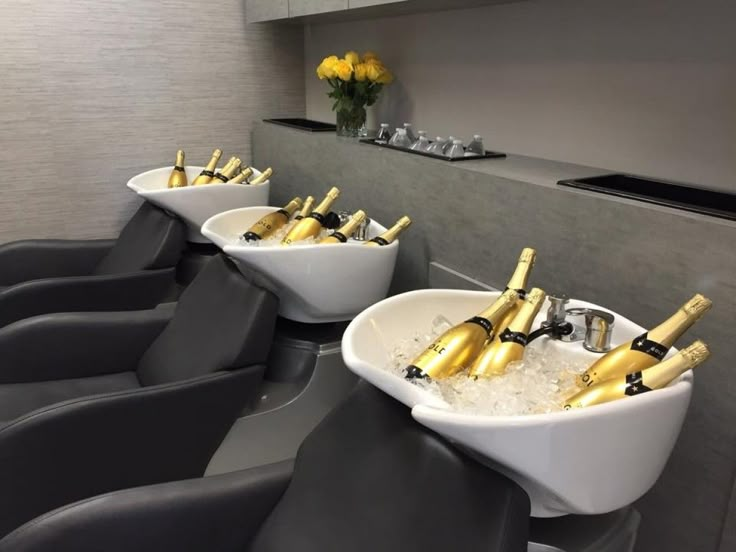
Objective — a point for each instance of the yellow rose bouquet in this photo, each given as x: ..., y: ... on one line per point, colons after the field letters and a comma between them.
x: 356, y: 83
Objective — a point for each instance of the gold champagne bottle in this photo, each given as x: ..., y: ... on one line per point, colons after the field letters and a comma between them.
x: 310, y: 226
x: 636, y: 383
x: 306, y: 208
x: 647, y: 349
x: 178, y: 177
x: 457, y: 347
x: 341, y: 235
x: 226, y: 172
x: 208, y: 173
x: 267, y: 225
x: 391, y: 234
x: 242, y: 176
x: 519, y: 281
x: 261, y: 178
x: 509, y: 345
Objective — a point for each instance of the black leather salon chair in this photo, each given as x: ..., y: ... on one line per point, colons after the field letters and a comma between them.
x: 367, y: 479
x: 94, y: 402
x: 136, y: 271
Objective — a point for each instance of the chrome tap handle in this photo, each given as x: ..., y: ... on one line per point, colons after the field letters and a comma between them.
x: 556, y: 311
x: 598, y: 328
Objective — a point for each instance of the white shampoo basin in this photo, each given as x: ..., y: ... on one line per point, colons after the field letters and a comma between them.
x: 195, y: 204
x: 317, y: 283
x: 588, y: 461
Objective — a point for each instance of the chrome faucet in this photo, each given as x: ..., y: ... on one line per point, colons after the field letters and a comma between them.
x: 595, y: 335
x: 598, y: 328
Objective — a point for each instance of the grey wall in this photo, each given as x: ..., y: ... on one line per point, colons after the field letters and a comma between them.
x: 644, y: 87
x: 95, y: 91
x: 640, y: 260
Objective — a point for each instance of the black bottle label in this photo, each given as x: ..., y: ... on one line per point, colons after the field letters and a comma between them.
x: 207, y: 173
x: 251, y: 236
x: 178, y: 168
x: 634, y: 384
x: 414, y: 372
x: 379, y: 240
x: 219, y: 176
x: 319, y: 217
x: 339, y: 236
x: 652, y: 348
x: 485, y: 323
x: 284, y: 212
x: 521, y: 292
x: 514, y: 337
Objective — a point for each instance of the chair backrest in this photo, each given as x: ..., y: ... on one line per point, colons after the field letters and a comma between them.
x: 223, y: 320
x: 369, y: 478
x: 152, y: 239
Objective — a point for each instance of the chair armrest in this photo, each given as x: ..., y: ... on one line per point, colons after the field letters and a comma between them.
x: 220, y: 513
x: 77, y: 345
x: 25, y: 260
x: 85, y: 447
x: 116, y: 292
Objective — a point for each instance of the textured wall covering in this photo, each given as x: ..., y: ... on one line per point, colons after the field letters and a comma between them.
x: 644, y: 87
x: 95, y: 91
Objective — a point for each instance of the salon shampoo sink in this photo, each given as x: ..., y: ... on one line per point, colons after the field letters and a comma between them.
x: 316, y: 283
x: 588, y: 461
x: 196, y: 204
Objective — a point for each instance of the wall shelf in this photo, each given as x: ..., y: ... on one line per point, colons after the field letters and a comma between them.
x: 335, y: 11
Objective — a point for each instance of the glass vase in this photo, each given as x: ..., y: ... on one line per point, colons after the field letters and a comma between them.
x: 350, y: 121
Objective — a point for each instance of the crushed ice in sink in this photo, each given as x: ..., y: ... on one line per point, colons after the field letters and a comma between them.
x: 536, y: 385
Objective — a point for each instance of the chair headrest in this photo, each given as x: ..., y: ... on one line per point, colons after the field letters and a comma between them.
x: 370, y: 478
x: 151, y: 239
x: 223, y: 320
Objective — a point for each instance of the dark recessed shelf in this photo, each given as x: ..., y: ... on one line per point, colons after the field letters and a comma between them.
x: 488, y: 154
x: 679, y: 196
x: 303, y: 124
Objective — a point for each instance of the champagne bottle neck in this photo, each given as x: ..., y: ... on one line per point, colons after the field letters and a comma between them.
x: 231, y: 170
x: 293, y: 205
x: 220, y: 175
x: 392, y: 233
x: 213, y: 161
x: 661, y: 374
x: 495, y: 313
x: 671, y: 329
x: 349, y: 228
x: 307, y: 207
x: 522, y: 322
x: 324, y: 205
x: 242, y: 176
x: 179, y: 160
x: 265, y: 175
x: 520, y: 278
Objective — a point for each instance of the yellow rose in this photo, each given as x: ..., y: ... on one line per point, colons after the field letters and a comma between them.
x: 369, y: 55
x: 386, y: 77
x: 361, y: 71
x: 326, y: 69
x: 374, y: 70
x: 344, y: 70
x: 352, y: 58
